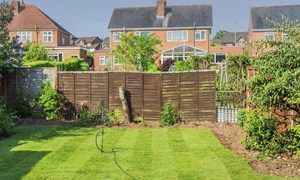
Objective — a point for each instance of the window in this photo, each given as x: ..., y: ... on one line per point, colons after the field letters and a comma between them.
x: 116, y: 36
x: 142, y: 33
x: 24, y: 36
x: 56, y: 56
x: 270, y: 35
x: 74, y: 56
x: 103, y: 60
x: 177, y: 36
x: 200, y: 35
x: 63, y: 41
x: 47, y: 36
x: 219, y: 58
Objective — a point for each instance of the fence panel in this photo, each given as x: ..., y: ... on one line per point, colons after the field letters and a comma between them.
x: 192, y: 93
x: 152, y: 96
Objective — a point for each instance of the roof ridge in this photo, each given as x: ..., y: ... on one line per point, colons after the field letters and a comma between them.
x: 287, y: 5
x: 179, y: 5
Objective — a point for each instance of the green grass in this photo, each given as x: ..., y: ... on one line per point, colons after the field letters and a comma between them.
x: 56, y: 152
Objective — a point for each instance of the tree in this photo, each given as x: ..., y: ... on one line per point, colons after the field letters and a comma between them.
x: 277, y: 81
x: 137, y: 52
x: 11, y: 52
x: 220, y: 34
x: 35, y: 52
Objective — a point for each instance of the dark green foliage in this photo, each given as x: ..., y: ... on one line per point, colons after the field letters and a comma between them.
x: 169, y: 115
x: 263, y: 136
x: 85, y: 117
x: 137, y: 52
x: 194, y: 63
x: 220, y: 34
x: 72, y: 64
x: 50, y: 100
x: 6, y: 121
x: 11, y: 52
x: 24, y: 105
x: 242, y: 115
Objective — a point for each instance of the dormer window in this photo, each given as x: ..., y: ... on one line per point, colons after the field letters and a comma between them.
x: 47, y: 36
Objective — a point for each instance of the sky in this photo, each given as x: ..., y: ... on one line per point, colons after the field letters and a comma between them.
x: 91, y: 17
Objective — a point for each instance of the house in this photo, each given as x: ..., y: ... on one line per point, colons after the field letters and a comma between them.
x: 232, y: 43
x: 91, y: 43
x: 31, y: 24
x: 183, y: 30
x: 260, y: 28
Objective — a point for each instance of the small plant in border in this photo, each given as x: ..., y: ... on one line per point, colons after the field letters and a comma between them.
x: 6, y: 121
x: 169, y: 115
x: 50, y: 101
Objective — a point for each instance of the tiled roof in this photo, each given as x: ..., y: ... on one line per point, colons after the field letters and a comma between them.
x: 231, y: 37
x: 86, y: 39
x: 31, y: 17
x: 176, y: 16
x: 259, y: 15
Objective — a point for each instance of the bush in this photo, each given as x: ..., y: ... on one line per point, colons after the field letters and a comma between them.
x: 71, y: 64
x: 50, y: 100
x: 6, y: 121
x: 24, y: 105
x: 242, y: 116
x: 85, y: 117
x: 293, y: 138
x: 169, y: 115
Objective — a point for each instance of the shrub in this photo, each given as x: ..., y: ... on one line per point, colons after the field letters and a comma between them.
x: 6, y: 121
x: 24, y: 105
x: 242, y: 116
x: 50, y: 101
x: 293, y: 138
x: 169, y: 115
x: 85, y: 117
x: 71, y: 64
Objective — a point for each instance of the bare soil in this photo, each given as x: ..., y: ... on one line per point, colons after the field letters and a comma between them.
x: 230, y: 135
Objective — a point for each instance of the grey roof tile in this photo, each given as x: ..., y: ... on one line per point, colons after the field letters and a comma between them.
x: 260, y: 15
x: 176, y: 16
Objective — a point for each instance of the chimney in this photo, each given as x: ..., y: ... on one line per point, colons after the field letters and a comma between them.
x: 16, y: 6
x: 161, y: 7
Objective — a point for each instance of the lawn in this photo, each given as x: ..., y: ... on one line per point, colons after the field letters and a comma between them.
x: 57, y: 152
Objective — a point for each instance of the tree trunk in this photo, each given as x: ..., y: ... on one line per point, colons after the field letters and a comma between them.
x: 124, y: 104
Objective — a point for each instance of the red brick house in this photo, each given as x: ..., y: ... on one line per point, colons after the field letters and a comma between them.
x: 31, y: 24
x: 91, y: 43
x: 260, y: 28
x: 183, y: 30
x: 232, y: 43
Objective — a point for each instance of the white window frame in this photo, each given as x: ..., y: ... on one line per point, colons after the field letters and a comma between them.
x: 63, y: 41
x: 270, y: 35
x: 199, y: 32
x: 57, y: 54
x: 103, y: 60
x: 140, y: 33
x: 47, y: 36
x: 171, y: 36
x: 24, y: 36
x: 116, y: 36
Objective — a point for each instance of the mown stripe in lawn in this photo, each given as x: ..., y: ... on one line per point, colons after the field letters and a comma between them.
x: 102, y: 166
x: 52, y: 164
x: 163, y: 162
x: 186, y: 163
x: 143, y: 154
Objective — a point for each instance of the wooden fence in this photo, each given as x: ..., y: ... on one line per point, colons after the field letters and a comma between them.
x: 192, y: 93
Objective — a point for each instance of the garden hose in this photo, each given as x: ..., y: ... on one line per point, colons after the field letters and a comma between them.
x: 113, y: 151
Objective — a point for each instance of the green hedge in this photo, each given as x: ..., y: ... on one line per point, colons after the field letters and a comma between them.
x: 71, y: 64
